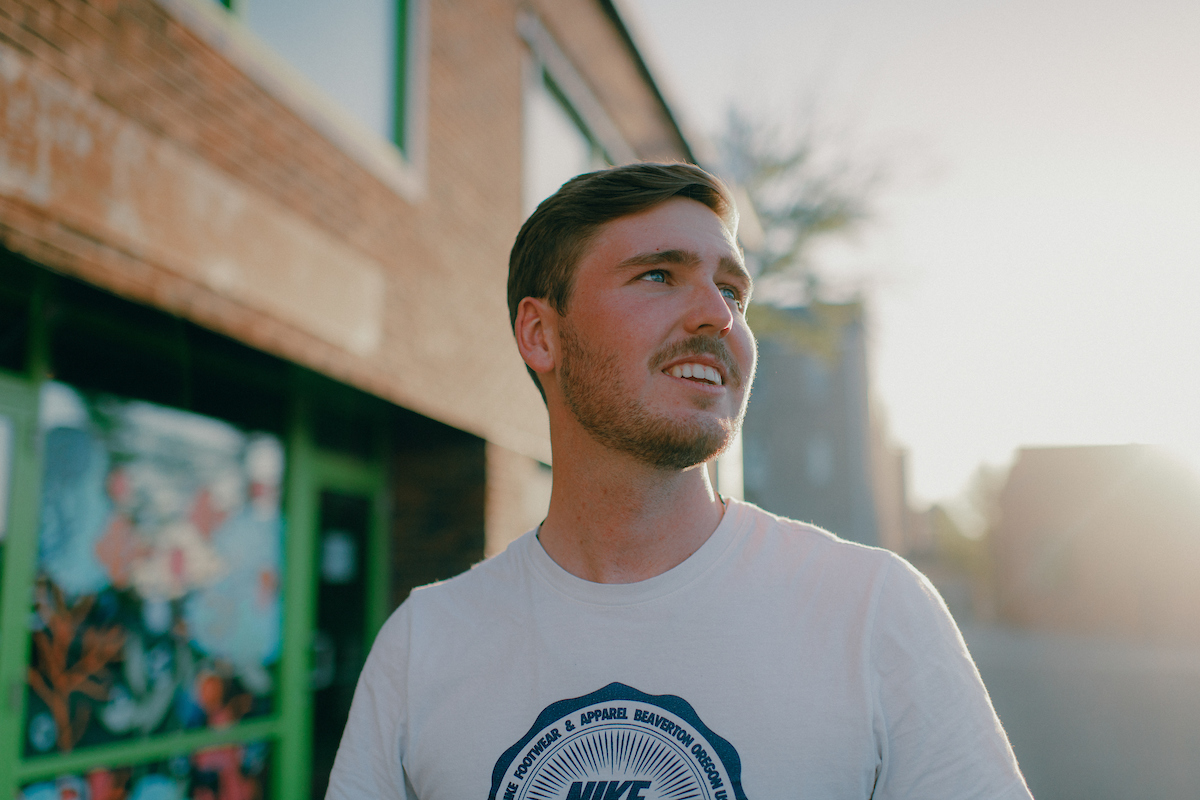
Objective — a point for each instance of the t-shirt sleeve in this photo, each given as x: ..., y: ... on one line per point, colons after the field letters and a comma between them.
x: 938, y: 734
x: 368, y: 764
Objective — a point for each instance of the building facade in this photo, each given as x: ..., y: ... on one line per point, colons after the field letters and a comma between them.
x: 256, y: 376
x: 1099, y: 540
x: 814, y: 445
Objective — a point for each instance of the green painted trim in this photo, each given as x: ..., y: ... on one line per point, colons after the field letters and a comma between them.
x: 18, y: 400
x: 152, y: 748
x: 403, y: 75
x: 345, y: 473
x: 292, y: 774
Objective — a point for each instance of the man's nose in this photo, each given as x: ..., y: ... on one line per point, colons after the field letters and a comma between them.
x: 710, y: 312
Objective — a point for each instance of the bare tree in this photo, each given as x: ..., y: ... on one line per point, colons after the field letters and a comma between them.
x: 803, y: 188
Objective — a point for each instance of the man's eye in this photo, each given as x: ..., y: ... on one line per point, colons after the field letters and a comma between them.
x: 655, y: 275
x: 733, y: 294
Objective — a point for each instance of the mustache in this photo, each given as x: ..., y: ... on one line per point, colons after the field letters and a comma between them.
x: 699, y: 345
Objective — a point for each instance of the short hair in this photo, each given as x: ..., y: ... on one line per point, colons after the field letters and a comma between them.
x: 552, y: 241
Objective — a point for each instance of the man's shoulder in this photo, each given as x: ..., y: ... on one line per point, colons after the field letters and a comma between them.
x: 487, y: 582
x: 779, y: 550
x: 795, y: 535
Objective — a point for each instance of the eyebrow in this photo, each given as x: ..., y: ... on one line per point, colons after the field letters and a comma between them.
x: 660, y: 257
x: 687, y: 258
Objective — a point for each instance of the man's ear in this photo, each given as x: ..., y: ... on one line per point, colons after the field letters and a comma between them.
x: 536, y: 329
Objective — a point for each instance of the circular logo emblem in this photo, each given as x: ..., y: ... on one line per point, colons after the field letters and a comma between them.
x: 619, y: 744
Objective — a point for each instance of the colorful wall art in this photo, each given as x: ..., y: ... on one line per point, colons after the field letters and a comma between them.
x: 228, y: 772
x: 157, y: 602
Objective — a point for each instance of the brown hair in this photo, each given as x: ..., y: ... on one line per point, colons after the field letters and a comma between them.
x: 554, y: 238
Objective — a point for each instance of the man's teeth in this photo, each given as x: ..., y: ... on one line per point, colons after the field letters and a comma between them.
x: 697, y: 371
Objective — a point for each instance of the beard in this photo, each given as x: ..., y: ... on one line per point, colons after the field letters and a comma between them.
x: 608, y: 411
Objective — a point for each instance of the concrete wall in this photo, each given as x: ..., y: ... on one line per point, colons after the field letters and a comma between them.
x: 518, y: 496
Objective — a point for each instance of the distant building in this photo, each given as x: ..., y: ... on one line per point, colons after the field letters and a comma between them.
x: 256, y: 372
x: 814, y: 447
x: 1100, y: 540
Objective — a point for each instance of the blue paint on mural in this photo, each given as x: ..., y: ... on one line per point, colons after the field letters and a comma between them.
x: 75, y: 510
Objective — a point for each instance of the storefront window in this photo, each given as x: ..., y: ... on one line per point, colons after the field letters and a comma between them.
x: 157, y: 598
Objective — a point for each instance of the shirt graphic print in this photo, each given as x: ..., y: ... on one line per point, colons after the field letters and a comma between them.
x: 619, y: 744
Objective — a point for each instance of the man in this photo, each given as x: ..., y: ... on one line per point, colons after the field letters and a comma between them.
x: 651, y: 639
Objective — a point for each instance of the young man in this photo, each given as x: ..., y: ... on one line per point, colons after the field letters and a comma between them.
x: 651, y: 639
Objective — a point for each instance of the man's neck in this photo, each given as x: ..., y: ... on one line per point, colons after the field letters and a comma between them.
x: 613, y: 519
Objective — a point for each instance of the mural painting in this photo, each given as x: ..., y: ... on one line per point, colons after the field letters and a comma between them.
x: 157, y: 602
x: 229, y: 772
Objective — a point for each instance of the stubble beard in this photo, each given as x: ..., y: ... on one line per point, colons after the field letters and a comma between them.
x: 609, y: 412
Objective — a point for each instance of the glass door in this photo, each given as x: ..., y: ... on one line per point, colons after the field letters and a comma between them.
x: 340, y: 638
x: 349, y: 594
x: 336, y: 582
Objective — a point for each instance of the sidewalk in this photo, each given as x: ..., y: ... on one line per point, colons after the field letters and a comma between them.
x: 1095, y: 719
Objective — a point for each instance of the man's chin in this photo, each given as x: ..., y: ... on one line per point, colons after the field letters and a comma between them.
x: 671, y: 446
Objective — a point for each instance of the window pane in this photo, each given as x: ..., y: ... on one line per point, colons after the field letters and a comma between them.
x: 347, y: 49
x: 556, y: 148
x: 159, y: 560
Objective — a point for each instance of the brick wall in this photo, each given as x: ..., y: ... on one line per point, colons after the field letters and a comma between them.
x: 138, y: 156
x: 438, y: 510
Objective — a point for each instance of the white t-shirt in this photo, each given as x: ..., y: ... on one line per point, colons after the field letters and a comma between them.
x: 778, y: 661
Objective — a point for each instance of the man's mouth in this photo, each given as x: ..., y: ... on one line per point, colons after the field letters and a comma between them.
x: 674, y: 360
x: 696, y: 372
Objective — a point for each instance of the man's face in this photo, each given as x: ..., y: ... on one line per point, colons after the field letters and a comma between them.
x: 656, y: 357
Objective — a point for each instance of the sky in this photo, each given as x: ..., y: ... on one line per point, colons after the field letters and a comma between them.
x: 1033, y: 268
